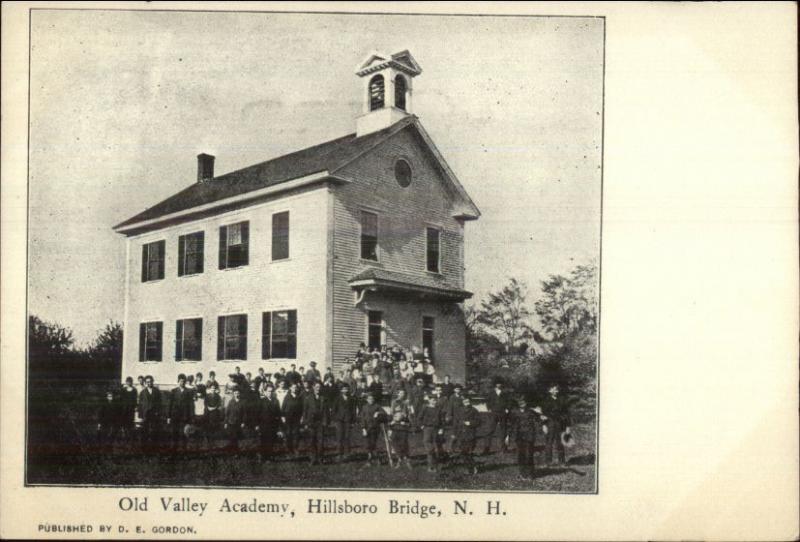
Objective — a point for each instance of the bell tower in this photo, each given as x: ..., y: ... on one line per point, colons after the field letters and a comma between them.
x: 386, y: 91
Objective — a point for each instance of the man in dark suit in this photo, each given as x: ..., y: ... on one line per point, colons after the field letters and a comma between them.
x: 313, y: 375
x: 452, y: 409
x: 292, y: 375
x: 343, y: 414
x: 268, y: 422
x: 179, y: 413
x: 498, y: 403
x: 128, y: 397
x: 465, y: 424
x: 235, y: 419
x: 291, y: 415
x: 149, y: 412
x: 524, y: 426
x: 555, y: 414
x: 314, y: 418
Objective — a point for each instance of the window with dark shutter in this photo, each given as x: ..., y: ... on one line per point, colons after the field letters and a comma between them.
x: 374, y: 329
x: 280, y: 236
x: 369, y: 236
x: 153, y: 261
x: 232, y: 337
x: 428, y: 333
x: 376, y: 93
x: 432, y: 250
x: 279, y: 335
x: 190, y: 253
x: 150, y: 341
x: 400, y: 92
x: 234, y: 241
x: 189, y: 340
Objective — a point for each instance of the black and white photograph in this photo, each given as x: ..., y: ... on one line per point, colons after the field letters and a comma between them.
x: 314, y: 250
x: 399, y: 271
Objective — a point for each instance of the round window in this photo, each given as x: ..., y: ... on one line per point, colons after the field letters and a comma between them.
x: 402, y: 172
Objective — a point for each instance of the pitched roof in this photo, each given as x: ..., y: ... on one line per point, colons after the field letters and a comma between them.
x: 434, y: 283
x: 325, y: 156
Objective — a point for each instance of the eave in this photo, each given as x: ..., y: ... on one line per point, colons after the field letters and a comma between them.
x: 300, y: 182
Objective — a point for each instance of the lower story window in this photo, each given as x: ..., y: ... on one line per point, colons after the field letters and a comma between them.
x: 232, y: 337
x: 427, y: 333
x: 150, y: 341
x: 279, y: 335
x: 374, y: 329
x: 189, y: 340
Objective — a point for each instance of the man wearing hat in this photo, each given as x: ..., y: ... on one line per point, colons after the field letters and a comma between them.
x: 524, y: 426
x: 555, y: 414
x: 291, y: 414
x: 465, y: 427
x: 235, y: 417
x: 343, y: 414
x: 370, y: 418
x: 498, y: 403
x: 180, y: 412
x: 315, y: 419
x: 452, y: 409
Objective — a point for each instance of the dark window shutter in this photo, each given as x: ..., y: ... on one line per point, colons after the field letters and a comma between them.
x: 244, y: 259
x: 221, y: 338
x: 198, y: 336
x: 160, y: 246
x: 181, y: 255
x: 266, y: 327
x: 179, y: 340
x: 201, y: 243
x: 142, y: 332
x: 160, y: 328
x: 243, y: 337
x: 223, y: 247
x: 291, y: 339
x: 144, y: 263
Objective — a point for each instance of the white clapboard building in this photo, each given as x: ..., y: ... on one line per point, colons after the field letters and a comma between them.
x: 304, y: 256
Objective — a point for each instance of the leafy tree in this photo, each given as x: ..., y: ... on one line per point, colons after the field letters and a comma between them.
x: 108, y: 344
x: 48, y: 339
x: 568, y: 304
x: 505, y: 315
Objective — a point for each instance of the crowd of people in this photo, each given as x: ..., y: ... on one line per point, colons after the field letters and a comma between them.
x: 387, y: 395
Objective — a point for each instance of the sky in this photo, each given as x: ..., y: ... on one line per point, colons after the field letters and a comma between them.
x: 122, y: 102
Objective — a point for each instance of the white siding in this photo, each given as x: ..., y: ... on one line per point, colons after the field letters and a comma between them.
x: 297, y: 283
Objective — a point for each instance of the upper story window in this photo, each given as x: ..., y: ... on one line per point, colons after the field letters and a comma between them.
x: 369, y: 236
x: 190, y: 253
x: 189, y: 340
x: 233, y: 245
x: 232, y: 337
x: 376, y: 93
x: 153, y: 261
x: 428, y: 341
x: 374, y: 329
x: 402, y: 173
x: 400, y: 89
x: 280, y: 236
x: 432, y: 252
x: 279, y: 335
x: 151, y: 335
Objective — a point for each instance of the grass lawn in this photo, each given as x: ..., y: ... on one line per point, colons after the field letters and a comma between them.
x: 62, y: 450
